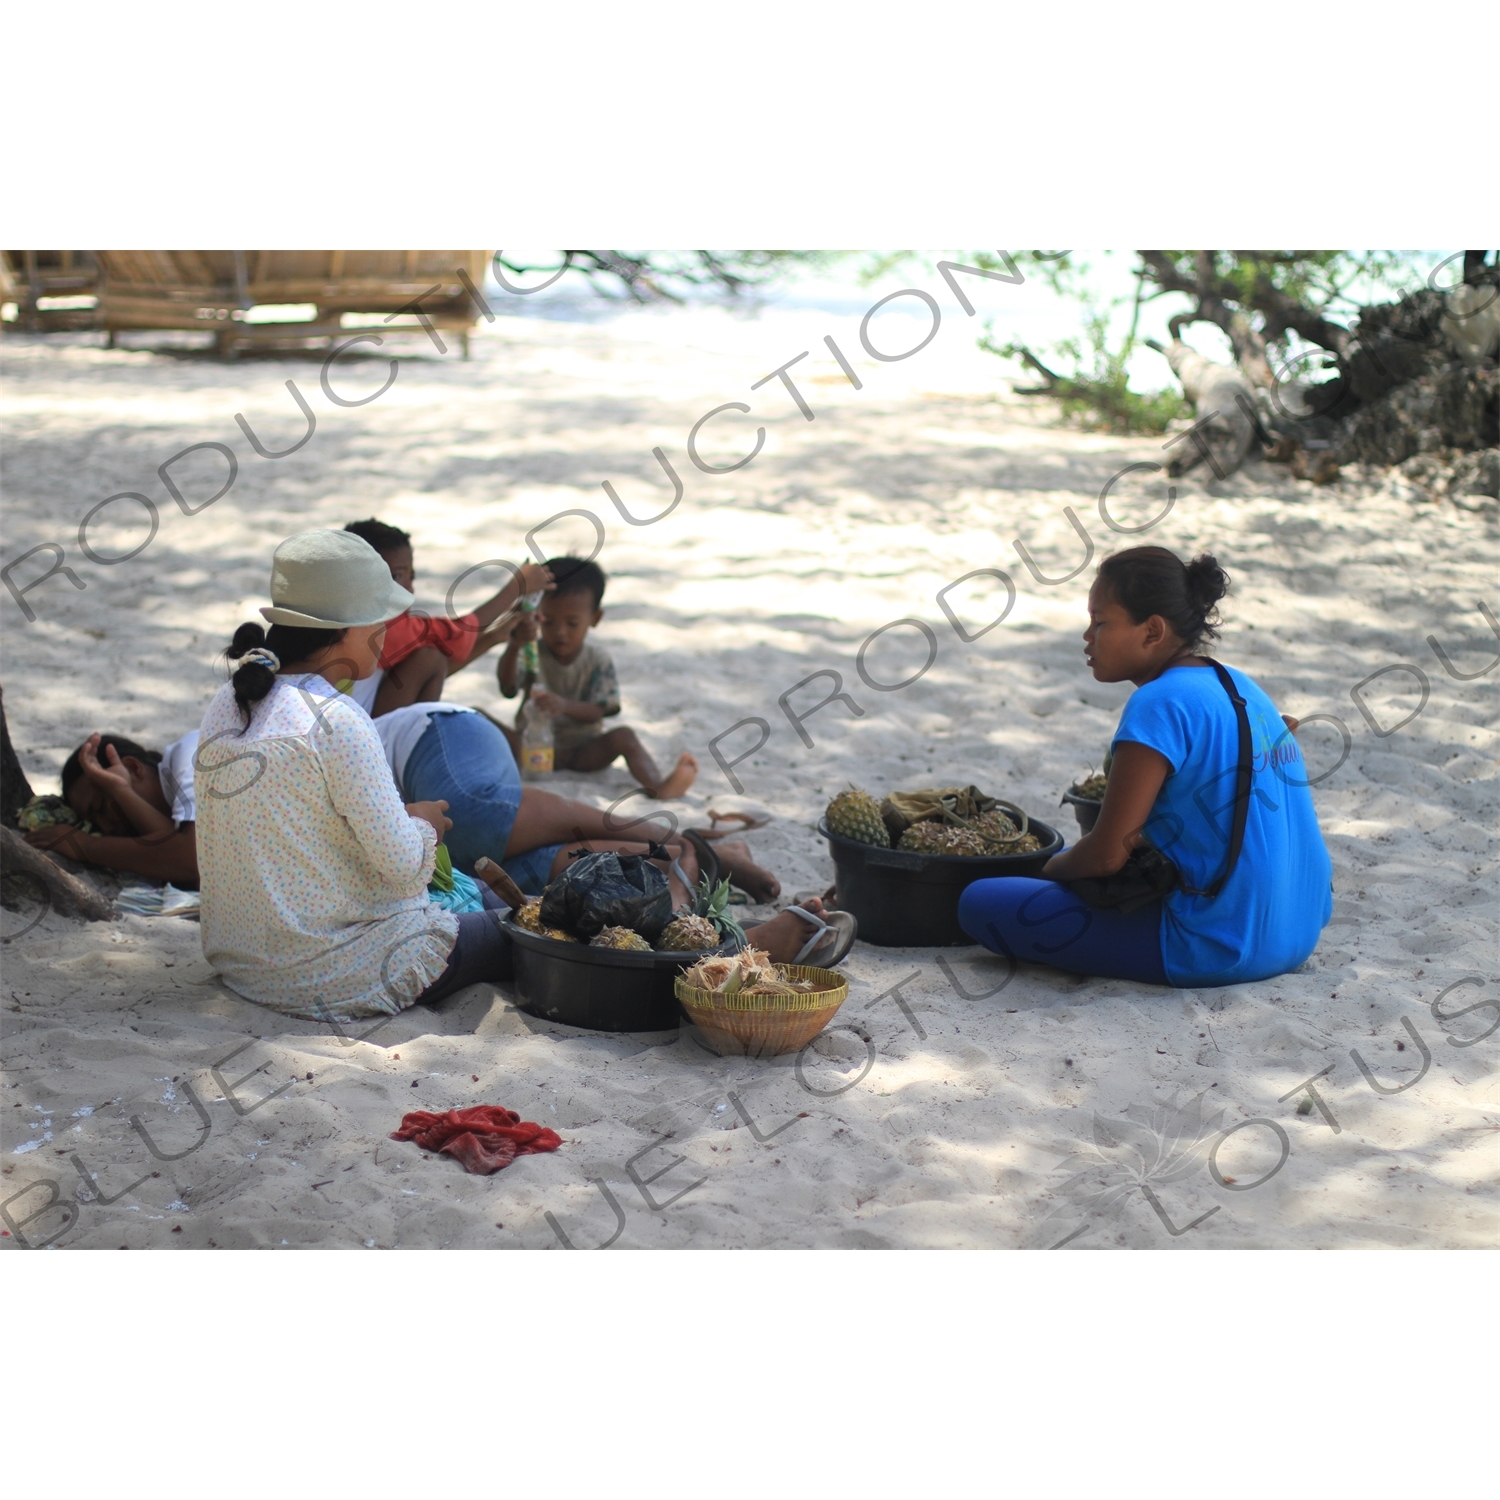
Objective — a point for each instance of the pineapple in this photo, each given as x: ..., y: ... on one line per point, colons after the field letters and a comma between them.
x: 1092, y: 786
x: 939, y: 838
x: 529, y: 916
x: 689, y: 933
x: 856, y: 815
x: 711, y: 904
x: 1000, y: 835
x: 622, y: 938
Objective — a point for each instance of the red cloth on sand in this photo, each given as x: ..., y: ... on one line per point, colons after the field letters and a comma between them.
x: 454, y: 638
x: 484, y: 1138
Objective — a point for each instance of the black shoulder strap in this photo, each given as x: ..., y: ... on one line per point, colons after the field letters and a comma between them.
x: 1241, y: 782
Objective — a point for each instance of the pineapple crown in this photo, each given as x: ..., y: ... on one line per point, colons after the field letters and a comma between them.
x: 712, y: 901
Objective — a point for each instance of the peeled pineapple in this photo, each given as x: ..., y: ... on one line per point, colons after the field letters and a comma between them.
x: 855, y: 814
x: 689, y: 934
x: 622, y: 938
x: 748, y: 972
x: 713, y: 973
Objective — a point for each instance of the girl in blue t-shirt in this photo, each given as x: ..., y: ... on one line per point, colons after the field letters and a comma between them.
x: 1172, y: 784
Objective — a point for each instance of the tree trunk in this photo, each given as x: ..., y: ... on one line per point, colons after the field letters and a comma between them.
x: 15, y: 790
x: 64, y: 893
x: 27, y: 866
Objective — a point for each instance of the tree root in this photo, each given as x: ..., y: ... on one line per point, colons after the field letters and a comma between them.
x: 65, y: 893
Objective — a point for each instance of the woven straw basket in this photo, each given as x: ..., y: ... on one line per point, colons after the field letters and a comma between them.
x: 765, y: 1025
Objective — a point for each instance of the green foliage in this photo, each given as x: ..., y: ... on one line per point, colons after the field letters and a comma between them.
x: 1100, y: 398
x: 1096, y: 394
x: 1318, y: 280
x: 1262, y: 300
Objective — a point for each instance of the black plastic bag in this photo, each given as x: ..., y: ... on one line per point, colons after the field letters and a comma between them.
x: 609, y: 890
x: 1147, y: 876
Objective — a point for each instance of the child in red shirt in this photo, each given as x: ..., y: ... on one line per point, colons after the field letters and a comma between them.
x: 422, y: 651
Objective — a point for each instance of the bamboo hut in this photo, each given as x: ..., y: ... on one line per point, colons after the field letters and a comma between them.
x: 54, y: 291
x: 285, y: 298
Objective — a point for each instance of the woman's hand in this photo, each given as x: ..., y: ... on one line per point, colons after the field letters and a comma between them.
x: 433, y: 813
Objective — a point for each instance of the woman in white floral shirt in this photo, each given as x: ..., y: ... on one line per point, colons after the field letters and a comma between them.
x: 314, y: 874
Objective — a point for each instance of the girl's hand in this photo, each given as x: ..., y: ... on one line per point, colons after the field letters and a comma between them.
x: 536, y: 578
x: 112, y: 778
x: 527, y: 628
x: 550, y: 703
x: 59, y: 839
x: 433, y: 813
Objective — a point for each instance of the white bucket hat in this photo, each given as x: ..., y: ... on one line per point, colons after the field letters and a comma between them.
x: 328, y: 580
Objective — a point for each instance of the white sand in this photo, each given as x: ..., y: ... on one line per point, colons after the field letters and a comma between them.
x: 968, y: 1134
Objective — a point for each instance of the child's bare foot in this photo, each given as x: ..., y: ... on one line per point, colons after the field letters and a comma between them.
x: 684, y: 774
x: 741, y: 869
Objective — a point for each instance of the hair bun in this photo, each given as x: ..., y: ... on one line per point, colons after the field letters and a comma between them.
x: 252, y: 682
x: 246, y: 638
x: 1207, y: 582
x: 254, y: 678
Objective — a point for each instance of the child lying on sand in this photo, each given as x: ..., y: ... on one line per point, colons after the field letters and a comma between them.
x: 580, y: 687
x: 140, y: 800
x: 421, y: 651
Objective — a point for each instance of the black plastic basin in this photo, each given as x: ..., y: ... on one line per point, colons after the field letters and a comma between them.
x: 1085, y: 809
x: 906, y: 900
x: 603, y: 989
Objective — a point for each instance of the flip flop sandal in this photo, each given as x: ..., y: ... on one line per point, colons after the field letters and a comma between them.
x: 842, y: 925
x: 829, y: 898
x: 708, y: 859
x: 749, y: 822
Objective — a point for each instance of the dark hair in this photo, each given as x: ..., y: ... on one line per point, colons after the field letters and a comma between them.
x: 575, y: 576
x: 1148, y: 581
x: 381, y: 537
x: 73, y: 765
x: 289, y: 642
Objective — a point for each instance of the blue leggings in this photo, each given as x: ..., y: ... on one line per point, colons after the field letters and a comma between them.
x: 1043, y: 922
x: 463, y: 760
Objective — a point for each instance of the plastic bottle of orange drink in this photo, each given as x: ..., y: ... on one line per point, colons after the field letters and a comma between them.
x: 537, y: 745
